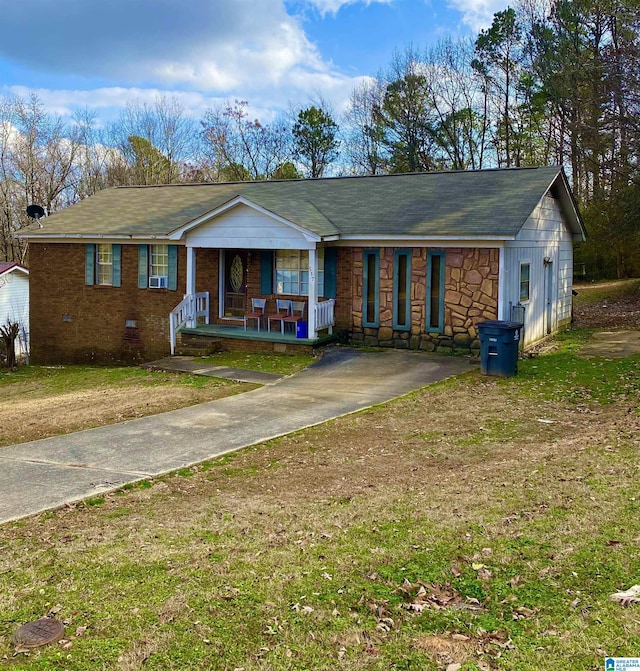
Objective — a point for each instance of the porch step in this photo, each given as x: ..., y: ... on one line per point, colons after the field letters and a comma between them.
x: 189, y: 344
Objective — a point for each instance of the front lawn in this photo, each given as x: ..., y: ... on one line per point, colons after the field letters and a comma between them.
x: 480, y: 522
x: 285, y: 364
x: 41, y: 401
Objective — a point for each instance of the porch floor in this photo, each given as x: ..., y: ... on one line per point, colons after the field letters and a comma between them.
x: 238, y: 333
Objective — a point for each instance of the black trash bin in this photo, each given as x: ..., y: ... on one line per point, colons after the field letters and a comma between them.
x: 499, y: 343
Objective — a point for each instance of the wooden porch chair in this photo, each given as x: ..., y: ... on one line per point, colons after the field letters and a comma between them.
x: 257, y: 312
x: 283, y: 310
x: 298, y: 309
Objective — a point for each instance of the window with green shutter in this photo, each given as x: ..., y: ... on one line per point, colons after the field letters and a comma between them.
x: 103, y: 265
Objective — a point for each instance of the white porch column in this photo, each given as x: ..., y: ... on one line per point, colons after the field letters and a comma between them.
x: 191, y: 270
x: 313, y: 293
x: 191, y: 281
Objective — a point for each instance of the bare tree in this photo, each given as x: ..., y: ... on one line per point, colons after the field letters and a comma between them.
x: 239, y: 148
x: 364, y: 135
x: 166, y: 128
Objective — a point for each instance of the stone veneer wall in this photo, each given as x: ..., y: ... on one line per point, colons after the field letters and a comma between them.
x: 471, y: 296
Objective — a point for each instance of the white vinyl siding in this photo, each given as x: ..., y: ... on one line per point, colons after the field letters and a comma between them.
x: 14, y: 305
x: 545, y: 234
x: 246, y: 228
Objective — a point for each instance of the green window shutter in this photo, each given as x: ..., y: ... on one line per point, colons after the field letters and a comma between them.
x: 266, y: 272
x: 172, y: 284
x: 116, y: 278
x: 90, y: 264
x: 143, y: 266
x: 330, y: 272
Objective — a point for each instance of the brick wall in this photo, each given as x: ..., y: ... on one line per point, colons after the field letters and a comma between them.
x: 344, y: 288
x: 75, y: 322
x: 207, y: 262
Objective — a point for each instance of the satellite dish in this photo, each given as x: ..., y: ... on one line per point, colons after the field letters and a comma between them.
x: 35, y: 212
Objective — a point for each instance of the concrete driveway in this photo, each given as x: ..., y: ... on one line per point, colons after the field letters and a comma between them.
x: 47, y: 473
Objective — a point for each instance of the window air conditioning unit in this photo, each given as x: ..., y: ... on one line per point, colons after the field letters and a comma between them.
x: 157, y: 282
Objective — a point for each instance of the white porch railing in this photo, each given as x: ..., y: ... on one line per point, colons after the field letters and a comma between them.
x: 187, y: 312
x: 324, y: 315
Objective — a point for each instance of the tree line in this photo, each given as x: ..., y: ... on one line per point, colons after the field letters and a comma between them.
x: 550, y: 82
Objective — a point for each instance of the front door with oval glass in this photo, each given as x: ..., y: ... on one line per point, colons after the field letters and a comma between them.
x: 235, y: 282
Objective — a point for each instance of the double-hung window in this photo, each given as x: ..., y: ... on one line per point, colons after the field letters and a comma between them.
x: 158, y: 266
x: 292, y: 272
x: 102, y: 265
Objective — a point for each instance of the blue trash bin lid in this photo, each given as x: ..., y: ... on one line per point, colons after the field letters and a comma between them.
x: 499, y: 324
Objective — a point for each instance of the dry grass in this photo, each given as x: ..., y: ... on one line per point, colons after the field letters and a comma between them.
x: 302, y: 553
x: 66, y: 399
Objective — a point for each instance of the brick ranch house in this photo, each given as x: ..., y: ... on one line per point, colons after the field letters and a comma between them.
x: 412, y: 261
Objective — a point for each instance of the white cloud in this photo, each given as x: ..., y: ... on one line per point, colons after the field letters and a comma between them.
x: 214, y: 45
x: 334, y: 6
x: 478, y: 14
x: 102, y: 54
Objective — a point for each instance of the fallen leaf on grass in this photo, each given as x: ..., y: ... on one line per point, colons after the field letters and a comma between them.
x: 423, y: 595
x: 523, y: 612
x: 626, y: 598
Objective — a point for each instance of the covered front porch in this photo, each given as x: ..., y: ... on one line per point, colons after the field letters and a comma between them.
x: 206, y: 338
x: 242, y: 254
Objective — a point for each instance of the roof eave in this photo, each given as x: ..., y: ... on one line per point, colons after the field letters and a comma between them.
x: 16, y: 267
x: 368, y: 237
x: 570, y: 206
x: 89, y: 237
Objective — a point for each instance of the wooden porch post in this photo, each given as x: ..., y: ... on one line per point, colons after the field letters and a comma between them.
x: 313, y: 293
x: 191, y: 278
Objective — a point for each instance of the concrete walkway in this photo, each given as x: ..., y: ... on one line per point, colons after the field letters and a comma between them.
x: 612, y: 344
x: 195, y: 366
x: 48, y: 473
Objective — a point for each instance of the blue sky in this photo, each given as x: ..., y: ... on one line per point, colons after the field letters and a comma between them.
x: 99, y: 54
